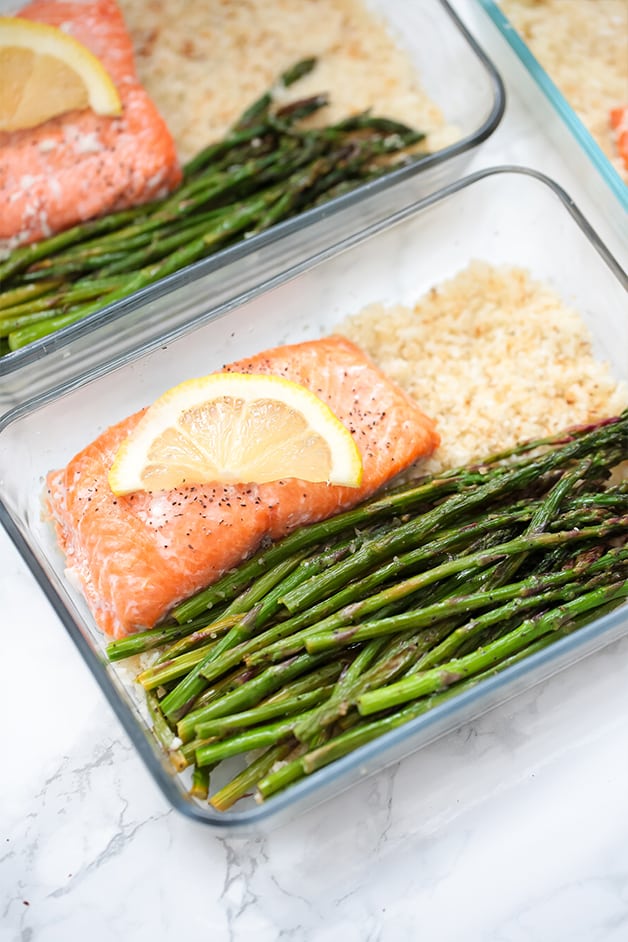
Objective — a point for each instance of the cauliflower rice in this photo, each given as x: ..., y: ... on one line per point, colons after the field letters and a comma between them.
x: 494, y: 357
x: 583, y: 46
x: 203, y: 63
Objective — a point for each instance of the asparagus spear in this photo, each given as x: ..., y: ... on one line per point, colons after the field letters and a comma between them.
x: 250, y: 692
x: 611, y: 561
x: 436, y: 649
x: 510, y: 482
x: 259, y: 738
x: 197, y: 637
x: 364, y: 732
x: 534, y: 591
x: 238, y: 787
x: 53, y: 304
x: 177, y: 702
x: 412, y: 496
x: 182, y: 698
x: 266, y: 591
x: 222, y: 726
x: 262, y: 148
x: 431, y: 681
x: 143, y: 641
x: 313, y: 680
x: 162, y: 634
x: 296, y: 641
x: 200, y: 783
x: 15, y: 296
x: 425, y: 654
x: 162, y: 730
x: 162, y: 673
x: 22, y: 257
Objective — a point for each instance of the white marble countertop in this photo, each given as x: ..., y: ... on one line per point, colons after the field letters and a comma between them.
x: 513, y: 828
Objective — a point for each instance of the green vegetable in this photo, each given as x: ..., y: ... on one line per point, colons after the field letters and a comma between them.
x: 356, y: 625
x: 266, y: 169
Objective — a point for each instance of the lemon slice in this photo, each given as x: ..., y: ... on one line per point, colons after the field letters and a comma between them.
x: 235, y: 428
x: 44, y: 72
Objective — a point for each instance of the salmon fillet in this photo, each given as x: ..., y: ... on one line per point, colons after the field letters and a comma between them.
x: 139, y: 555
x: 80, y: 164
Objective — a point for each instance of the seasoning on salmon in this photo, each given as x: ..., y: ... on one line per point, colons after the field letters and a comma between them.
x: 80, y: 164
x: 137, y: 556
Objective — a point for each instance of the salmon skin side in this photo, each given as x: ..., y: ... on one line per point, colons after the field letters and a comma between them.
x: 137, y: 556
x: 80, y: 164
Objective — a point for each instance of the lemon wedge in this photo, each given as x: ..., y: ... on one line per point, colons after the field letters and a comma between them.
x: 235, y: 428
x: 44, y: 72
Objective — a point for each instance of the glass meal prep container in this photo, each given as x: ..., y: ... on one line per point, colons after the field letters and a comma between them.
x: 454, y: 73
x: 502, y: 216
x: 556, y: 99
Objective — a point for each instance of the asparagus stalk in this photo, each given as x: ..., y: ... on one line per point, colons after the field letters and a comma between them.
x: 24, y: 293
x: 226, y: 725
x: 238, y: 787
x: 412, y: 640
x: 507, y: 600
x: 143, y: 641
x: 364, y: 732
x: 176, y: 706
x: 162, y: 673
x: 510, y: 482
x: 154, y: 240
x: 250, y: 692
x: 282, y: 640
x: 545, y: 513
x: 217, y: 151
x: 294, y: 642
x: 306, y: 731
x: 431, y: 681
x: 197, y: 637
x: 200, y: 783
x: 182, y: 698
x: 162, y: 730
x: 400, y: 653
x: 53, y: 305
x: 472, y: 630
x: 312, y: 680
x: 408, y: 497
x: 410, y: 651
x: 22, y: 257
x: 259, y: 738
x: 323, y: 676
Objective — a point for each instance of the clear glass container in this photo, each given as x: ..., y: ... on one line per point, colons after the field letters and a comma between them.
x: 558, y: 102
x: 502, y: 216
x: 455, y: 74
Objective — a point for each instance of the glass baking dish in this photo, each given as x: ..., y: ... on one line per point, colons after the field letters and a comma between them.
x: 495, y: 215
x: 558, y: 101
x: 455, y: 74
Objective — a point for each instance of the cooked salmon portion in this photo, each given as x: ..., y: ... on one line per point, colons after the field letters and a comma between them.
x: 137, y: 556
x: 80, y: 164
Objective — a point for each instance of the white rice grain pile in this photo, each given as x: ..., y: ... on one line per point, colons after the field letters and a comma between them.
x: 204, y: 62
x: 494, y: 357
x: 583, y: 46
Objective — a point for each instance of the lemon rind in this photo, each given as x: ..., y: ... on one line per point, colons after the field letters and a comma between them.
x: 103, y: 95
x: 346, y: 466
